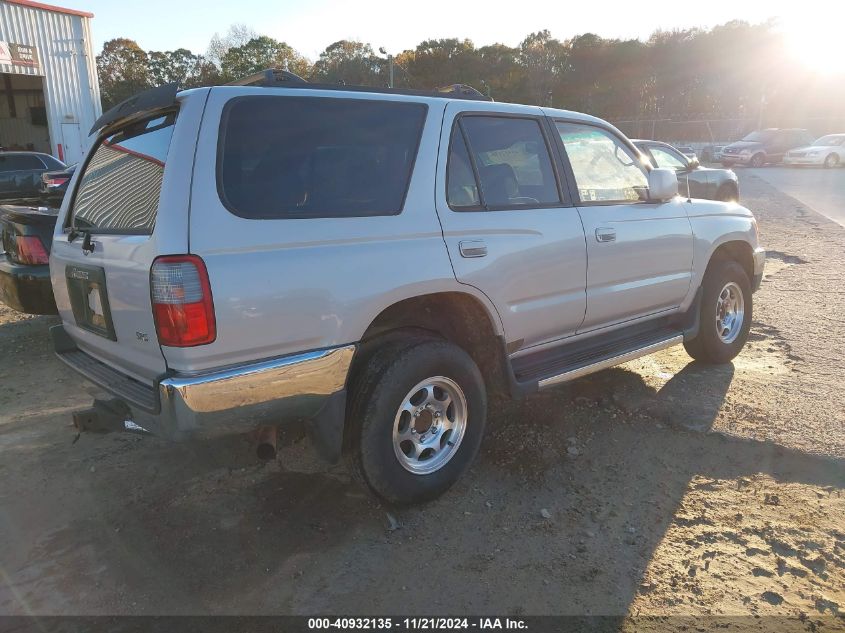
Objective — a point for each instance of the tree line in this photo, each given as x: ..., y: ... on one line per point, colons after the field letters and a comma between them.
x: 733, y: 70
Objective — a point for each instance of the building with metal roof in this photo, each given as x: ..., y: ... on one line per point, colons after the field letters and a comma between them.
x: 49, y: 92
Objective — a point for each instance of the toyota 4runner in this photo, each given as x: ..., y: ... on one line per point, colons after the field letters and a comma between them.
x: 375, y: 262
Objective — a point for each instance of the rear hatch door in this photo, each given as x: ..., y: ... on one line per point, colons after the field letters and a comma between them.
x: 127, y: 204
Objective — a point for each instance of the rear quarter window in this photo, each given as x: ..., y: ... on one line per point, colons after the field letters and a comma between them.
x: 310, y: 157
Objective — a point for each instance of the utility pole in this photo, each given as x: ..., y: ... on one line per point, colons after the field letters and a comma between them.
x: 389, y: 66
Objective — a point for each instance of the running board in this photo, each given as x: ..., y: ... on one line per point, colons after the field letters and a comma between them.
x: 610, y: 361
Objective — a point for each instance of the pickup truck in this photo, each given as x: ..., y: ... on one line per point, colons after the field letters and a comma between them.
x: 375, y: 262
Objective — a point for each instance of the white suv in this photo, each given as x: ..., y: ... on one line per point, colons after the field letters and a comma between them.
x: 375, y: 262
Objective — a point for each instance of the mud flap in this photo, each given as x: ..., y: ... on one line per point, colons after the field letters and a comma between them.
x: 326, y: 428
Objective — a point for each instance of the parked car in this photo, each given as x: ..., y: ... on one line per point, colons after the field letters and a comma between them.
x: 54, y: 185
x: 687, y: 151
x: 375, y: 262
x: 828, y: 151
x: 20, y: 174
x: 703, y: 182
x: 26, y: 234
x: 764, y: 146
x: 711, y: 153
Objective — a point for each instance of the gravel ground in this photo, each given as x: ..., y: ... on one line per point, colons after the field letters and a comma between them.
x: 659, y: 487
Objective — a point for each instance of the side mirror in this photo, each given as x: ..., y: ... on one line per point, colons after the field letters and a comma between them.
x: 662, y: 184
x: 694, y: 163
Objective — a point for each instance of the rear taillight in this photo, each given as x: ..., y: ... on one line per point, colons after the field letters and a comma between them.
x: 182, y: 304
x: 55, y: 182
x: 31, y: 250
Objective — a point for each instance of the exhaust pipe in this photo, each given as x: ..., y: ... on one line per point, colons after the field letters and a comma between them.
x: 266, y: 448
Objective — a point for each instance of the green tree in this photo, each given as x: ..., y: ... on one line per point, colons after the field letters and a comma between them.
x: 123, y: 70
x: 544, y: 60
x: 258, y: 54
x: 351, y: 63
x: 442, y: 62
x: 182, y: 66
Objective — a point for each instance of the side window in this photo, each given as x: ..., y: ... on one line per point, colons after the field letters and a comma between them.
x: 317, y: 157
x: 512, y: 161
x: 605, y: 170
x: 461, y: 188
x: 664, y: 157
x: 20, y: 162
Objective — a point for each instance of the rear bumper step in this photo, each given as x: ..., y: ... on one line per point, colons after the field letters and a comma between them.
x: 233, y: 400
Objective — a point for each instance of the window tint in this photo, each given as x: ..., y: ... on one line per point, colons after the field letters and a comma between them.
x: 120, y: 186
x: 20, y: 162
x: 665, y: 157
x: 605, y: 170
x: 461, y: 188
x: 513, y: 162
x: 287, y: 157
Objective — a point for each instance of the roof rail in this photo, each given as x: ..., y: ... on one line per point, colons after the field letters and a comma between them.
x: 269, y: 78
x: 275, y: 78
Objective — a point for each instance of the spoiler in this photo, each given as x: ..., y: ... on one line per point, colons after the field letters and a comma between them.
x: 152, y: 99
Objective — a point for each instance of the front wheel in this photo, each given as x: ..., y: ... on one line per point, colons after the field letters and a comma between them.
x: 758, y: 160
x: 416, y: 417
x: 725, y: 316
x: 831, y: 161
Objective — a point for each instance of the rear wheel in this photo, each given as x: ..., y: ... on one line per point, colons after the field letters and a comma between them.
x: 416, y: 417
x: 831, y: 161
x: 725, y: 317
x: 758, y: 160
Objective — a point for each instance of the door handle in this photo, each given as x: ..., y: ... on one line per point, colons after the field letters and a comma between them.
x: 605, y: 235
x: 472, y: 248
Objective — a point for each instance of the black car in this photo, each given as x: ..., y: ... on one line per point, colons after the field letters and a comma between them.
x: 703, y: 182
x: 27, y: 236
x: 20, y: 174
x: 765, y: 146
x: 54, y: 186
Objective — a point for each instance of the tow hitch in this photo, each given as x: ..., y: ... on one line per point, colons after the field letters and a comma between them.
x: 106, y: 416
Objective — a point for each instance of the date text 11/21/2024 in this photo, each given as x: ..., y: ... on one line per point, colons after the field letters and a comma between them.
x: 417, y: 623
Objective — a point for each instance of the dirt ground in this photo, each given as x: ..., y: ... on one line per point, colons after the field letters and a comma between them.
x: 660, y: 487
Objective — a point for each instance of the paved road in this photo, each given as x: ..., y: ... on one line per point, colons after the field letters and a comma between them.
x: 823, y: 190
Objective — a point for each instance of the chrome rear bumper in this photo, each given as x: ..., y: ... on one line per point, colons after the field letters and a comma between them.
x: 230, y: 400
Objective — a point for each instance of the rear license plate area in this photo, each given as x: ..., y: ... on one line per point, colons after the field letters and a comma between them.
x: 89, y: 299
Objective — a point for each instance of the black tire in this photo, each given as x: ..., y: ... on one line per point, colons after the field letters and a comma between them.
x: 727, y: 193
x: 376, y: 395
x: 758, y: 160
x: 708, y: 346
x: 831, y: 161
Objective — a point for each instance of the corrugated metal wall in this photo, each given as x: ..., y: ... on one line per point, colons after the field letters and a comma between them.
x: 67, y: 65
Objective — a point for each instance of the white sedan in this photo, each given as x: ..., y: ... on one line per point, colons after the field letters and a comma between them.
x: 828, y: 151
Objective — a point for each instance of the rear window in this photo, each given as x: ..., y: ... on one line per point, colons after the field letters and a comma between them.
x: 121, y: 182
x: 311, y: 157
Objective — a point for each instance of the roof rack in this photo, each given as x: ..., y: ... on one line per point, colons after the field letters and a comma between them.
x: 276, y: 78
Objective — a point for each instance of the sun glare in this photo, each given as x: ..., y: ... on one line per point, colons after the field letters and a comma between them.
x: 816, y: 46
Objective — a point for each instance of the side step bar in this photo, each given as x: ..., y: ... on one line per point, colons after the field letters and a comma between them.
x: 611, y: 361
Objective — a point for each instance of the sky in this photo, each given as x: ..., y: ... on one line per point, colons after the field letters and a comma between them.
x: 311, y: 25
